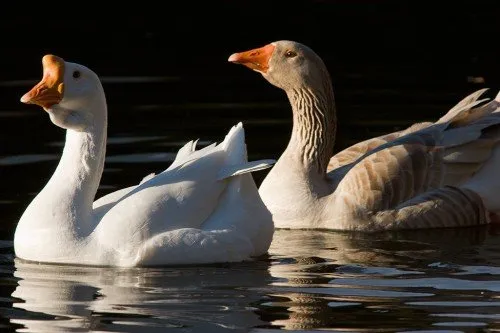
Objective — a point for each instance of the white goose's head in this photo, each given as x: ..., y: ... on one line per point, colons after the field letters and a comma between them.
x: 71, y: 93
x: 286, y: 64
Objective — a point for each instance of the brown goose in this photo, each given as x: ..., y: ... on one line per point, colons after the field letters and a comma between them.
x: 440, y: 174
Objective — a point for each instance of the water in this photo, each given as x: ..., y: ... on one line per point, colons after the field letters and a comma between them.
x: 415, y: 282
x: 439, y: 280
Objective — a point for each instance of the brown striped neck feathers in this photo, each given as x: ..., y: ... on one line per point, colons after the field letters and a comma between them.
x: 301, y: 73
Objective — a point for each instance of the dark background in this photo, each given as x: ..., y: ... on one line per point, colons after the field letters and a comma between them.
x: 165, y: 72
x: 366, y: 44
x: 417, y: 41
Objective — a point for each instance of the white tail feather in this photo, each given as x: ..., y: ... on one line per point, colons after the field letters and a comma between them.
x: 189, y: 153
x: 234, y: 145
x: 240, y: 169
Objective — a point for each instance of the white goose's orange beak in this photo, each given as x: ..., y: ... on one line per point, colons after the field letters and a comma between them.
x: 50, y: 89
x: 256, y: 59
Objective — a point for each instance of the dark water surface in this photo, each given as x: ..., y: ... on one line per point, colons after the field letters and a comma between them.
x: 440, y: 281
x: 167, y: 81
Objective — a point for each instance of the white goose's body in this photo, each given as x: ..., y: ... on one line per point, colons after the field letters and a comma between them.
x: 439, y: 174
x: 204, y: 208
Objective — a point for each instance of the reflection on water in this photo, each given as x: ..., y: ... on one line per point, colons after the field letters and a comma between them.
x: 328, y: 280
x: 58, y: 298
x: 398, y: 281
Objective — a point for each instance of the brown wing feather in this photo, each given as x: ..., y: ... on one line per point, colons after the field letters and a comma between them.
x: 399, y: 187
x: 467, y: 123
x: 408, y: 179
x: 464, y: 112
x: 356, y: 151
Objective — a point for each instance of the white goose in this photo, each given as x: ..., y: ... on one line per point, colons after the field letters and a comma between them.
x: 204, y: 208
x: 441, y: 174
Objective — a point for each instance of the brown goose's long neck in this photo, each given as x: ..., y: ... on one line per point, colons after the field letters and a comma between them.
x: 314, y: 125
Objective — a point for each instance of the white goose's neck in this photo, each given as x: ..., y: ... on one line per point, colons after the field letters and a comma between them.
x: 314, y: 127
x: 65, y: 203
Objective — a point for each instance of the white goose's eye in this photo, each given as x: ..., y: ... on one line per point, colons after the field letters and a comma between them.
x: 290, y: 54
x: 77, y: 74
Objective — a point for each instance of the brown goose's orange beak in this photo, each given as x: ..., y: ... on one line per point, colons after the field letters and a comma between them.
x: 256, y: 59
x: 50, y: 90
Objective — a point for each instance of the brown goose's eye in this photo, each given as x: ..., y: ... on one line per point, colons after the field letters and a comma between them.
x: 290, y: 54
x: 76, y: 74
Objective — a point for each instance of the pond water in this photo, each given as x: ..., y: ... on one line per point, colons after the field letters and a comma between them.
x: 439, y: 280
x: 446, y: 281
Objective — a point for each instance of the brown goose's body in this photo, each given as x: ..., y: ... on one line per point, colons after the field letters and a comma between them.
x: 431, y: 175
